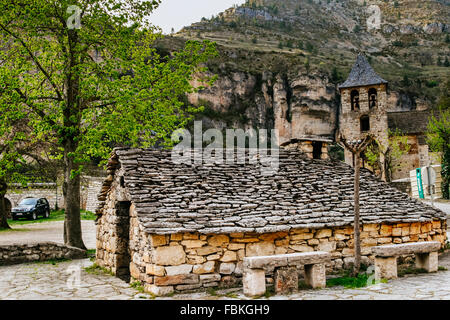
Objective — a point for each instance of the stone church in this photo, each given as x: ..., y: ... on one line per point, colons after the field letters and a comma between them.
x: 365, y: 109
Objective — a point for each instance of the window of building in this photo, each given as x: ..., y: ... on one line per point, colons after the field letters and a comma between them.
x: 355, y: 100
x: 373, y: 98
x: 365, y: 123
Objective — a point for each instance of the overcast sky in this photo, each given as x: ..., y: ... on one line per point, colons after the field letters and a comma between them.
x: 179, y: 13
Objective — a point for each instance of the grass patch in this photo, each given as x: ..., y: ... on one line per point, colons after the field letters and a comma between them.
x: 97, y: 270
x: 212, y: 292
x: 410, y: 270
x: 232, y: 295
x: 270, y: 291
x: 54, y: 216
x: 349, y: 282
x: 441, y: 268
x: 15, y: 230
x: 137, y: 285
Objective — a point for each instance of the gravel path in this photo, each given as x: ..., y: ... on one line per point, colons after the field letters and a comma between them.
x: 46, y: 231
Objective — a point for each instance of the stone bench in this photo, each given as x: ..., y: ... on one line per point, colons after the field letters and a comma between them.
x: 286, y: 274
x: 386, y: 257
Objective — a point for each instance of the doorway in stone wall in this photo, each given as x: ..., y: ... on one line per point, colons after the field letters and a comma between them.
x: 123, y: 257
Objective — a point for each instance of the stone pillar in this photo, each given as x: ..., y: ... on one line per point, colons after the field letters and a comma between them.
x: 286, y: 280
x: 385, y: 268
x: 427, y: 261
x: 315, y: 275
x: 254, y: 281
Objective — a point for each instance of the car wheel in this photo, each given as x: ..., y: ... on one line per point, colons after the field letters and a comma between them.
x: 47, y: 214
x: 34, y: 216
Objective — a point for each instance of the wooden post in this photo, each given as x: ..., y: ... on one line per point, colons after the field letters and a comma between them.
x: 357, y: 234
x: 356, y: 147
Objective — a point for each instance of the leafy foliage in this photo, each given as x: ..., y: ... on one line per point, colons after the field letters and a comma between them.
x: 90, y: 88
x: 438, y: 137
x: 395, y: 148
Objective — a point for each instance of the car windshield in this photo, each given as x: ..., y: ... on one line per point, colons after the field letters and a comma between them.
x: 27, y: 202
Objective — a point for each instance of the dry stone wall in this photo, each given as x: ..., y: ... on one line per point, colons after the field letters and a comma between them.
x: 191, y: 261
x: 20, y: 253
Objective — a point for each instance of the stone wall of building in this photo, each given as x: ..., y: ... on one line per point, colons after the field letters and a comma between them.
x: 191, y: 261
x: 14, y: 254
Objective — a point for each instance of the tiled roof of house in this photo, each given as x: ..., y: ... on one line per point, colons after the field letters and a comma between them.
x: 362, y: 74
x: 224, y: 198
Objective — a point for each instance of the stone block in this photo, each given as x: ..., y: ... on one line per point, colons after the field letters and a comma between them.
x: 396, y: 232
x: 302, y: 236
x: 260, y: 249
x: 414, y: 228
x: 385, y: 268
x: 218, y: 240
x: 213, y: 257
x: 371, y: 227
x: 270, y: 237
x: 229, y: 256
x: 427, y: 261
x: 157, y: 240
x: 210, y: 277
x: 301, y: 248
x: 254, y: 282
x: 327, y: 246
x: 175, y: 280
x: 134, y: 271
x: 323, y: 233
x: 155, y: 270
x: 176, y: 237
x: 227, y: 268
x: 169, y: 255
x: 205, y: 251
x: 236, y: 246
x: 190, y: 236
x: 177, y: 270
x: 315, y: 275
x: 386, y: 230
x: 157, y: 290
x: 194, y: 259
x: 286, y: 280
x: 189, y: 244
x: 207, y: 267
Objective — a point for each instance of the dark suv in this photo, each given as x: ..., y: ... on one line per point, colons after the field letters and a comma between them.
x: 31, y: 208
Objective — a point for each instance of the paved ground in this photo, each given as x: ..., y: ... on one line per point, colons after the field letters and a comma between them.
x: 47, y: 281
x: 47, y: 231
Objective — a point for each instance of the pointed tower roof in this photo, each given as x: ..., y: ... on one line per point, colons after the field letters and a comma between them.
x: 362, y: 74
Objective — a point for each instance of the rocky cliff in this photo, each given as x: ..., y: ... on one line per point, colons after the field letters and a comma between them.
x: 280, y: 61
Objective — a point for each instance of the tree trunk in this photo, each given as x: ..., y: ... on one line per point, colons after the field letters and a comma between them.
x: 3, y: 214
x: 357, y: 241
x: 72, y: 222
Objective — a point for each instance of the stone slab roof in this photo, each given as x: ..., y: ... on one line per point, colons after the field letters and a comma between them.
x: 362, y: 74
x: 304, y: 193
x: 411, y: 122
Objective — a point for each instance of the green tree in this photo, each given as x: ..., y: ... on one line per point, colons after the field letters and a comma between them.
x: 87, y: 75
x: 438, y: 137
x: 387, y: 156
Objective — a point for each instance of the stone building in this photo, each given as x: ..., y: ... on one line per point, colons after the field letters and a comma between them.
x: 365, y: 108
x: 178, y: 227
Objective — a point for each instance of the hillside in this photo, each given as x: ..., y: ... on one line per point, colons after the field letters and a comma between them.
x: 280, y: 61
